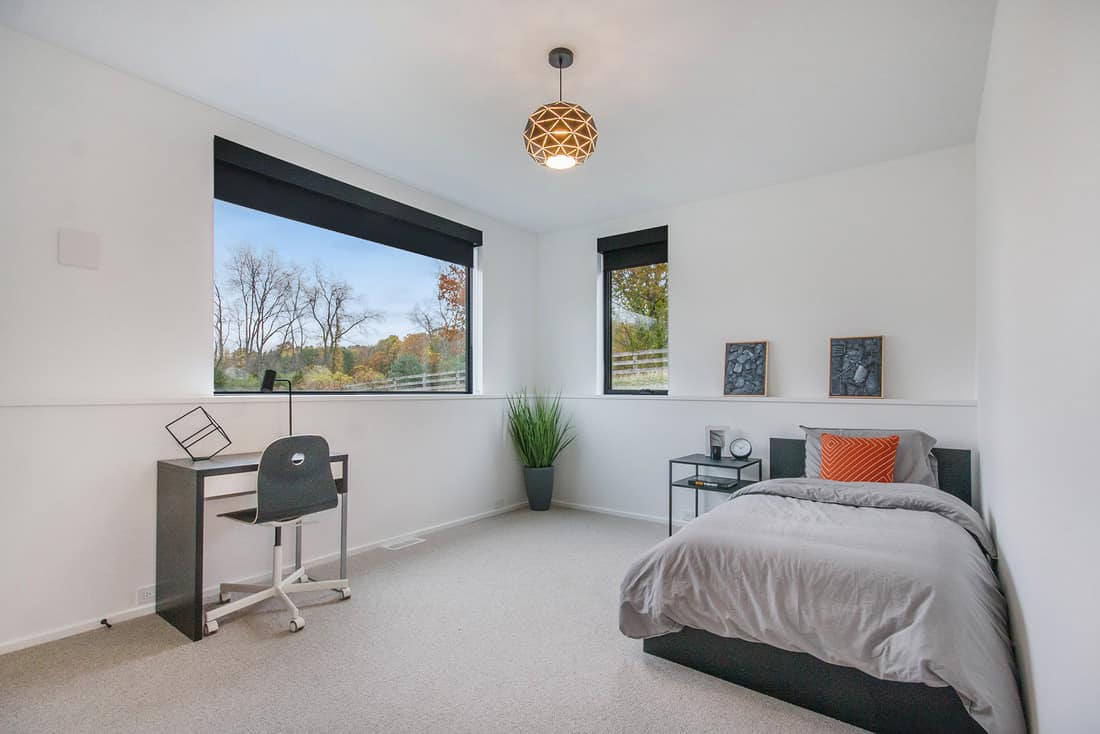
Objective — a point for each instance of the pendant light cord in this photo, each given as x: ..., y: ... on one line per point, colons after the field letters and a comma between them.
x: 559, y: 84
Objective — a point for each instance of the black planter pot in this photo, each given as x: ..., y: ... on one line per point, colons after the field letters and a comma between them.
x: 540, y: 486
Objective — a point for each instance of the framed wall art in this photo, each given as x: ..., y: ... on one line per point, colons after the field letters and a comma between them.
x: 746, y: 369
x: 855, y: 367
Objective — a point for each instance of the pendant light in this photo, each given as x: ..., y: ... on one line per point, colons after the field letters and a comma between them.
x: 560, y: 134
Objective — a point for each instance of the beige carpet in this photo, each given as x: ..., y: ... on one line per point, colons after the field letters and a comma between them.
x: 505, y: 625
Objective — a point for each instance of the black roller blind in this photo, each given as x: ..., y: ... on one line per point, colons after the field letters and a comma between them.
x: 259, y: 181
x: 634, y: 249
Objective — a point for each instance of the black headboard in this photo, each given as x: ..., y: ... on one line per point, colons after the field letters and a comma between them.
x: 788, y: 459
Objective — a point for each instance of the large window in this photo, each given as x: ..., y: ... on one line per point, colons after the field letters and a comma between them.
x: 636, y: 311
x: 334, y: 288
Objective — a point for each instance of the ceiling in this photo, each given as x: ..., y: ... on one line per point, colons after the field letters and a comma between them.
x: 693, y: 98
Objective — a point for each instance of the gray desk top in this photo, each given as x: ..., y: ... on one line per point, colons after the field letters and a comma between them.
x: 229, y: 463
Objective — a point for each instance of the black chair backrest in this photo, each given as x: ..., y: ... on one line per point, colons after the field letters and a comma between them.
x: 294, y: 479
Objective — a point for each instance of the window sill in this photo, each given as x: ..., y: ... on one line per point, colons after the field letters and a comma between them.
x: 636, y: 393
x: 246, y: 398
x: 733, y: 400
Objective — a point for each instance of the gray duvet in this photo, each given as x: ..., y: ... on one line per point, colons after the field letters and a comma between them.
x: 892, y: 579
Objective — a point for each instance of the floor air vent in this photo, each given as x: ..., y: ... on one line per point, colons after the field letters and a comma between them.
x: 403, y: 543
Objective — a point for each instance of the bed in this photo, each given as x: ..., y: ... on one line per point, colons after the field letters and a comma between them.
x: 892, y: 621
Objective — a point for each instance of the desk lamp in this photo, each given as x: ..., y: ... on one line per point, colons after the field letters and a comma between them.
x: 268, y: 385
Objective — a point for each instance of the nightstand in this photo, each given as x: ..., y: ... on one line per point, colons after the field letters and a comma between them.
x: 702, y: 460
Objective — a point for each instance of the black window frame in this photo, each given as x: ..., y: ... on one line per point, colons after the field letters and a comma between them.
x: 620, y: 252
x: 258, y: 181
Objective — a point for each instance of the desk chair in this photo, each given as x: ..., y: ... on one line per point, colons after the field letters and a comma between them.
x: 294, y: 480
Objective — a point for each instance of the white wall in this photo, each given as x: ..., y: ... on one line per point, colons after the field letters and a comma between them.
x: 1038, y: 176
x: 884, y: 249
x: 85, y: 146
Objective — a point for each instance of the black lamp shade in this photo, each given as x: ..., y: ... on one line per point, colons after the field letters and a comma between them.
x: 268, y: 384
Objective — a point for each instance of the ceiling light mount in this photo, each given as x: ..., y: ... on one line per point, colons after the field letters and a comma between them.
x: 561, y: 57
x: 560, y: 134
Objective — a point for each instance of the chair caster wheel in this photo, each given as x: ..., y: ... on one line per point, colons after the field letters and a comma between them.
x: 224, y: 597
x: 345, y: 593
x: 297, y: 624
x: 210, y: 628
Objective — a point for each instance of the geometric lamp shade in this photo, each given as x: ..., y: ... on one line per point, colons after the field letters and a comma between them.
x: 560, y: 135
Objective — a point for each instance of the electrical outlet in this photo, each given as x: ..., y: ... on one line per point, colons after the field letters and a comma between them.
x: 146, y: 595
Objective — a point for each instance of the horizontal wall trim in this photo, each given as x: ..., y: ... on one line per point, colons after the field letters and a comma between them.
x: 211, y: 591
x: 846, y: 402
x: 238, y: 399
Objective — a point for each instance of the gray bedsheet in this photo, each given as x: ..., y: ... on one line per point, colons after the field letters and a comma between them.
x: 891, y: 579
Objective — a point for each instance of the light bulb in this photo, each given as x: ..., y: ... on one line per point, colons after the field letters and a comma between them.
x: 561, y: 162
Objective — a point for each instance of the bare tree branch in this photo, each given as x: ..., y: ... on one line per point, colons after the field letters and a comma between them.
x: 331, y: 303
x: 219, y: 328
x: 263, y: 286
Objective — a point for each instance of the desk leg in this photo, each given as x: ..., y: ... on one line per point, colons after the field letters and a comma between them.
x: 697, y: 502
x: 344, y: 526
x: 179, y: 548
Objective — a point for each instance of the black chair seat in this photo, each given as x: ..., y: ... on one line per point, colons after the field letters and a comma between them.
x: 248, y: 515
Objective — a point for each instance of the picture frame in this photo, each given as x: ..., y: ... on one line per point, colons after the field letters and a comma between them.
x: 856, y: 367
x: 716, y: 437
x: 745, y: 369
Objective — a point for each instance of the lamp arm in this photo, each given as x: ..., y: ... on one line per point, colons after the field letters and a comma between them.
x: 289, y: 404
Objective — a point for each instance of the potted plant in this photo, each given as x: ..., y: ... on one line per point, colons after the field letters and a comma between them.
x: 540, y: 434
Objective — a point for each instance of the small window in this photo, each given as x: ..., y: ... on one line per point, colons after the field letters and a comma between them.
x: 337, y: 289
x: 635, y: 308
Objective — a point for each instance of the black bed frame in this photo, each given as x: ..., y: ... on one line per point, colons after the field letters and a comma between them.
x: 838, y: 691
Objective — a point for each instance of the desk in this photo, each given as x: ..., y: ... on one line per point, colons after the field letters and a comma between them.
x: 181, y: 501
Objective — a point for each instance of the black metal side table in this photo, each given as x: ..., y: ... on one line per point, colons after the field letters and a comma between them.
x: 698, y: 460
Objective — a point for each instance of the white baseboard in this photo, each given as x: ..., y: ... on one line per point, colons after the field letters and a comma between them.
x: 211, y: 592
x: 619, y: 513
x: 73, y: 629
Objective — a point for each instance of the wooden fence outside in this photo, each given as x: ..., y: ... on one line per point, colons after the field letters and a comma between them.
x: 638, y: 363
x: 453, y: 381
x: 649, y: 363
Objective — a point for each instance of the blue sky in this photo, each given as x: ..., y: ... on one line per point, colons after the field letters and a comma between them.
x: 385, y: 279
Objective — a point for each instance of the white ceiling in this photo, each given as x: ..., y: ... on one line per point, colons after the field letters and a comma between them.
x: 692, y: 98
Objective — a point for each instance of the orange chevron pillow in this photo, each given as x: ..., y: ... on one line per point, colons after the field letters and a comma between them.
x: 858, y: 458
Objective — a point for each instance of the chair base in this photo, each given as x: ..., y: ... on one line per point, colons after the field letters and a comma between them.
x: 280, y: 587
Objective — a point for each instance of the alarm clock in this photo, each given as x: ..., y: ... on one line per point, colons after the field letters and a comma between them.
x: 740, y: 448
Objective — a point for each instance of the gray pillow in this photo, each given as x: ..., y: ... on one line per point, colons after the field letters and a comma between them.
x: 914, y: 464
